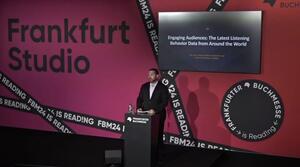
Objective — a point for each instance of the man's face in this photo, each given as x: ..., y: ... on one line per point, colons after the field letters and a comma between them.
x: 152, y: 76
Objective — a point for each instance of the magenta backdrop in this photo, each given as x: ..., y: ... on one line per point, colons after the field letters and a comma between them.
x: 117, y: 70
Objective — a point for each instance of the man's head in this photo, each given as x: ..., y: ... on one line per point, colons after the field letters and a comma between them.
x: 153, y: 75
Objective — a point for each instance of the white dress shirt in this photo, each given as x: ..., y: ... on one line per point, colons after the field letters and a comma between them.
x: 152, y: 87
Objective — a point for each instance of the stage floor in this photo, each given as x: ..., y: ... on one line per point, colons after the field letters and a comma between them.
x: 31, y: 148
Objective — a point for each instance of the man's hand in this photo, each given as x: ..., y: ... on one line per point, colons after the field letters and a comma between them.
x: 138, y: 110
x: 151, y: 112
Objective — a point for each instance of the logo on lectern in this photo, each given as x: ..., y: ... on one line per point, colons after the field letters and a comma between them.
x: 129, y: 119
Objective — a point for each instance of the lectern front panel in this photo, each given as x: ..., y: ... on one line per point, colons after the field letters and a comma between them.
x: 141, y: 136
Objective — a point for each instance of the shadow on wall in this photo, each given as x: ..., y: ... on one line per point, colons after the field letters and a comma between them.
x: 203, y: 111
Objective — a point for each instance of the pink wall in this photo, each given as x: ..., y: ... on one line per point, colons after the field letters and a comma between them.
x: 117, y: 70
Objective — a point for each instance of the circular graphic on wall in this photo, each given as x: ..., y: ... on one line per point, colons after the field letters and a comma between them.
x: 252, y: 110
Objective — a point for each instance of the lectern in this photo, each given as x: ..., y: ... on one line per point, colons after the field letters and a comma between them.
x: 141, y: 140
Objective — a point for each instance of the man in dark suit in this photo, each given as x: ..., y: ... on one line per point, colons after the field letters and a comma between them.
x: 153, y: 97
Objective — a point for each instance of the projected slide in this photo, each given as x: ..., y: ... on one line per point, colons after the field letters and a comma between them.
x: 210, y: 41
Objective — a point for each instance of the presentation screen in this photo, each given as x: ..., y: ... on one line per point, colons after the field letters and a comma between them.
x: 210, y: 41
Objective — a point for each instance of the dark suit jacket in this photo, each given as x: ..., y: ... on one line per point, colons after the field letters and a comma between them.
x: 158, y: 101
